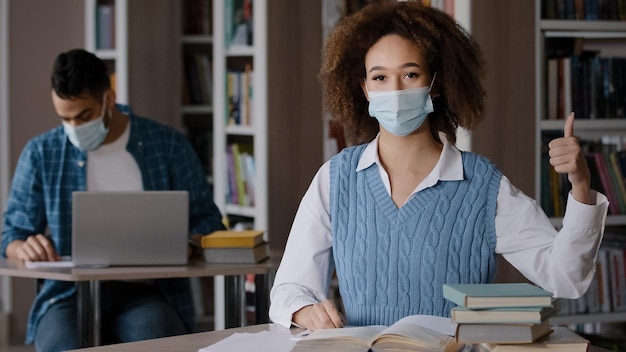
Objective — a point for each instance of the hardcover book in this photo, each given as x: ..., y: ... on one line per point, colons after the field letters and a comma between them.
x: 561, y: 339
x: 502, y: 333
x: 226, y: 238
x: 237, y: 255
x: 497, y: 295
x: 521, y: 315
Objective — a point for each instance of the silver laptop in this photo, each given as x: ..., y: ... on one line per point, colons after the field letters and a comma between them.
x: 130, y: 228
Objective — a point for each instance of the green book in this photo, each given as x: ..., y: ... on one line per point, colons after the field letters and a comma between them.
x: 506, y: 315
x: 497, y: 295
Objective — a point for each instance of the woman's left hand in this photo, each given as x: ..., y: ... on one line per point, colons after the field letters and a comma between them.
x: 566, y: 156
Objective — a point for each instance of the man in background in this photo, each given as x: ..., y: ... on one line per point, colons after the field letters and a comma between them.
x: 99, y: 146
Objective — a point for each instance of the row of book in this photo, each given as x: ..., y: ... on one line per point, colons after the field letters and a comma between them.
x: 197, y: 17
x: 583, y: 9
x: 234, y: 247
x: 607, y: 163
x: 591, y: 86
x: 508, y: 317
x: 239, y: 95
x: 607, y: 291
x: 197, y: 82
x: 240, y: 166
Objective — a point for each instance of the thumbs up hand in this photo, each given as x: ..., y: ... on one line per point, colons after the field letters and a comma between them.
x: 567, y: 157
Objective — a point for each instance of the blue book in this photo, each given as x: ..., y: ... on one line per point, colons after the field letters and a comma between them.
x: 497, y: 295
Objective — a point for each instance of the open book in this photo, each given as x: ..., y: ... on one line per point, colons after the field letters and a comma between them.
x: 412, y: 333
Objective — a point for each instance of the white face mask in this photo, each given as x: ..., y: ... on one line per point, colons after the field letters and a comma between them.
x: 89, y: 135
x: 401, y: 112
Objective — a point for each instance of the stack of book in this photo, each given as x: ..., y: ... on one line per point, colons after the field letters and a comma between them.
x: 507, y: 314
x: 234, y: 247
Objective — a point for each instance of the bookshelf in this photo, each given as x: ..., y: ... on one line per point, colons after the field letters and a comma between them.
x: 586, y: 54
x: 576, y: 48
x: 196, y: 99
x: 241, y: 112
x: 278, y: 60
x: 106, y: 27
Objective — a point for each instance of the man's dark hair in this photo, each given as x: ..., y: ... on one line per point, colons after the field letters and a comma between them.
x: 78, y: 72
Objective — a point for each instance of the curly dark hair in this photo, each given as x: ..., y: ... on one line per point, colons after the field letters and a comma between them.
x: 449, y: 50
x: 79, y: 72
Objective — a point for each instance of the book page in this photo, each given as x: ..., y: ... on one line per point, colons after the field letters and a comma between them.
x: 364, y: 335
x: 65, y: 262
x: 424, y: 331
x: 441, y: 325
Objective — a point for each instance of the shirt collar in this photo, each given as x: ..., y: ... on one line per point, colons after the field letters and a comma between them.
x: 448, y: 168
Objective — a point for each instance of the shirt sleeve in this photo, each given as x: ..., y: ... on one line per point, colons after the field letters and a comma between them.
x: 562, y: 262
x: 25, y: 212
x: 305, y: 271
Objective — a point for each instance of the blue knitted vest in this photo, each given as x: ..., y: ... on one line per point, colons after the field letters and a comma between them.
x: 393, y: 262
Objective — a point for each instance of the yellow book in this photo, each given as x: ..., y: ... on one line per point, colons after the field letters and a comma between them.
x: 226, y: 238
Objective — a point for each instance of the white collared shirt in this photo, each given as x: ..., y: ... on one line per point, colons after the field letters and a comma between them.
x: 560, y: 262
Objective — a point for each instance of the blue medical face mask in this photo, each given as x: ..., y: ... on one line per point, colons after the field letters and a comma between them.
x: 401, y: 111
x: 89, y: 135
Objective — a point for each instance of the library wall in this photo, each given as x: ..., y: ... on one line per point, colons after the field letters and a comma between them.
x: 295, y: 111
x: 153, y: 60
x: 31, y: 55
x: 507, y: 133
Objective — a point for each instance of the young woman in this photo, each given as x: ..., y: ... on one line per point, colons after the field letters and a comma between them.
x: 404, y: 211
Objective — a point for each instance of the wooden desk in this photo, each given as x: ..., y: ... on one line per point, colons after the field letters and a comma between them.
x: 88, y: 287
x: 182, y: 343
x: 193, y: 342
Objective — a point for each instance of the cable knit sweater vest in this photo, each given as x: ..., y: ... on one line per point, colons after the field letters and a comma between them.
x: 393, y: 262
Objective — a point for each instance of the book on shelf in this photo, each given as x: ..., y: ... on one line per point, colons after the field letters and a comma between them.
x: 238, y: 19
x: 241, y: 173
x: 236, y: 255
x: 412, y: 333
x: 618, y: 289
x: 502, y: 333
x: 561, y: 339
x: 496, y: 295
x: 239, y: 96
x: 229, y: 238
x: 105, y: 26
x: 232, y: 195
x: 505, y: 315
x: 603, y: 281
x: 204, y: 69
x: 192, y: 80
x: 607, y: 184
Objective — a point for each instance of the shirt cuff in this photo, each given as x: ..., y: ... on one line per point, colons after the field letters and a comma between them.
x: 586, y: 216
